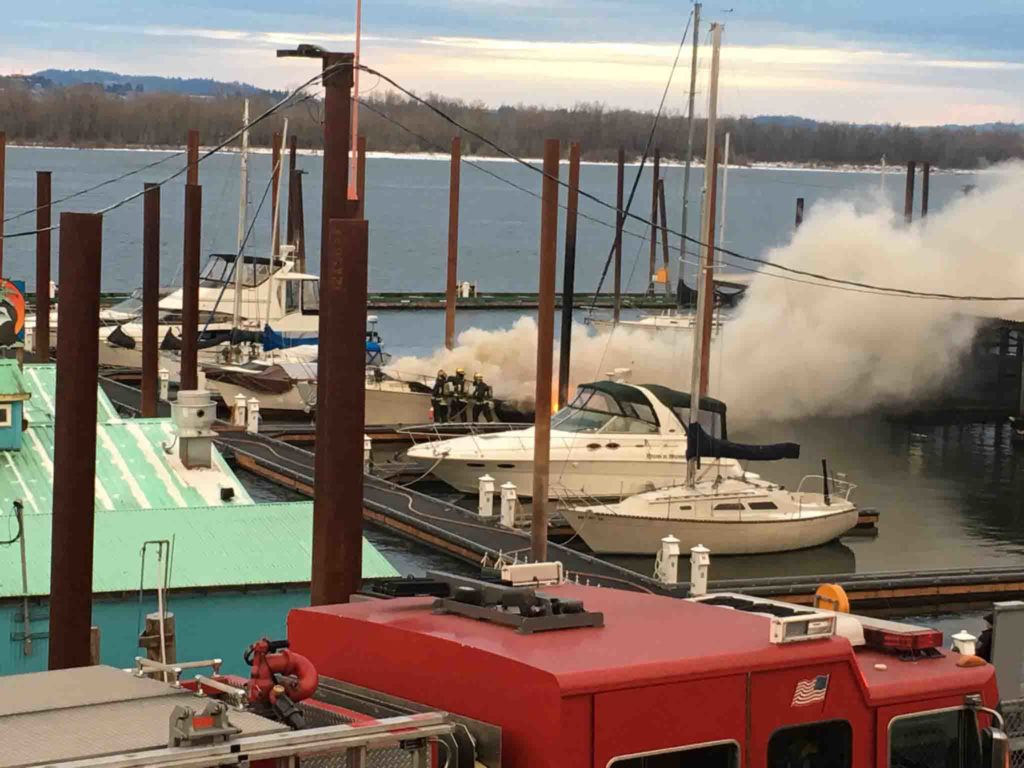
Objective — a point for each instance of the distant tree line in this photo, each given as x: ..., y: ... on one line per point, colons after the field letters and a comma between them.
x: 87, y: 115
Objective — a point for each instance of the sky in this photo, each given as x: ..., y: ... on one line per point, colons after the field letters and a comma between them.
x: 918, y: 62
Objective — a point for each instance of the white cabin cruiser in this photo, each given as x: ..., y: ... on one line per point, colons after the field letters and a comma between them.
x: 283, y: 379
x: 613, y: 440
x: 273, y: 293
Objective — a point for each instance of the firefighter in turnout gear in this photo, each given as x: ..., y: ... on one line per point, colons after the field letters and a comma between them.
x: 439, y: 397
x: 457, y: 404
x: 483, y: 399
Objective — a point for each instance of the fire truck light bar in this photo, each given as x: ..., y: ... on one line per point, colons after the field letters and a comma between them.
x: 922, y: 640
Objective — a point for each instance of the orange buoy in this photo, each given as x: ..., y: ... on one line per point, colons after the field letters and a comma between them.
x: 832, y: 597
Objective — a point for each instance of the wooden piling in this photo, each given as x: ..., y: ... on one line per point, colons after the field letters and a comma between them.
x: 926, y: 172
x: 619, y: 222
x: 545, y: 341
x: 799, y: 212
x: 908, y: 199
x: 43, y: 253
x: 189, y: 377
x: 569, y: 274
x: 192, y: 176
x: 361, y: 177
x: 74, y: 452
x: 338, y: 497
x: 150, y: 299
x: 453, y: 243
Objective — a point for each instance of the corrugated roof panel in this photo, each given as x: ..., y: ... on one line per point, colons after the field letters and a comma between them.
x: 41, y: 380
x: 215, y: 547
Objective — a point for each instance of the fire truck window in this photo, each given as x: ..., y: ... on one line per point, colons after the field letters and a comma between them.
x: 935, y: 740
x: 818, y: 745
x: 714, y: 756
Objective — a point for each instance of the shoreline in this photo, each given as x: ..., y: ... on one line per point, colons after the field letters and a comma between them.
x: 773, y: 165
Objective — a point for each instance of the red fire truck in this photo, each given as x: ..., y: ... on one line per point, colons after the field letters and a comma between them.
x: 464, y: 673
x: 615, y: 679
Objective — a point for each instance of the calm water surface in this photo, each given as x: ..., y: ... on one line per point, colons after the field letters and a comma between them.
x: 949, y: 496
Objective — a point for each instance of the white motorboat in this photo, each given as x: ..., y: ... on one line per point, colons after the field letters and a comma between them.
x: 736, y: 516
x: 272, y: 293
x: 291, y: 387
x: 613, y: 440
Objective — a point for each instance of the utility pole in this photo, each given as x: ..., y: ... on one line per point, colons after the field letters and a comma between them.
x: 705, y: 276
x: 689, y: 138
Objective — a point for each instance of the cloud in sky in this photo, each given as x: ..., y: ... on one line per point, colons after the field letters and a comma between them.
x: 863, y: 64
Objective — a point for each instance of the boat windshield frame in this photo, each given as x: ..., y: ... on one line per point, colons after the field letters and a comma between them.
x: 592, y: 411
x: 219, y: 270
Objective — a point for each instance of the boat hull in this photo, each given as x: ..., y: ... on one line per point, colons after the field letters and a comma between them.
x: 628, y: 534
x: 573, y: 478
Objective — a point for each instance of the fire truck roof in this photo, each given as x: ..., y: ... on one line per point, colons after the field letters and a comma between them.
x: 645, y: 639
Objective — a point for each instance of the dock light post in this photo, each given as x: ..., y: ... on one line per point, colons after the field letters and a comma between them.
x: 700, y: 562
x: 485, y: 496
x: 74, y: 451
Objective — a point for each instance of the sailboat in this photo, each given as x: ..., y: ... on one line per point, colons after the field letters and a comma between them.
x: 731, y: 515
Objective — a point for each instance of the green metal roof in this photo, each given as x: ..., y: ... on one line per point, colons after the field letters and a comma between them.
x: 41, y: 381
x: 12, y: 384
x: 144, y: 493
x: 213, y: 547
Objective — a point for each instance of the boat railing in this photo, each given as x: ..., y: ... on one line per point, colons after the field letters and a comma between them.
x: 839, y: 488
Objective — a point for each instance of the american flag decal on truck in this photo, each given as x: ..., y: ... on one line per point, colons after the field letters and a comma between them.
x: 810, y: 691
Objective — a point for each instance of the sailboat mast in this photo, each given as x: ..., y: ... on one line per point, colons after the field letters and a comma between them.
x: 725, y: 192
x: 353, y: 171
x: 689, y: 138
x: 243, y: 214
x: 705, y: 272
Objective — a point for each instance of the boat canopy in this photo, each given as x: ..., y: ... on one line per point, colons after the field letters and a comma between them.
x: 606, y: 406
x: 711, y: 415
x: 220, y: 270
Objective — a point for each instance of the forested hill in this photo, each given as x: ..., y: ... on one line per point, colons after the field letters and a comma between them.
x: 33, y: 112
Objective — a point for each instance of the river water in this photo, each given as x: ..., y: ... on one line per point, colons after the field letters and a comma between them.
x: 948, y: 496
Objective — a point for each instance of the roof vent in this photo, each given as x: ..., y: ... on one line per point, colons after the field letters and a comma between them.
x: 193, y: 414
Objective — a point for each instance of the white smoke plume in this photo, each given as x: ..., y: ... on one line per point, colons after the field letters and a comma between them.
x: 793, y: 350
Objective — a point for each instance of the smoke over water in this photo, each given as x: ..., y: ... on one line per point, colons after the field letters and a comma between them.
x: 794, y: 350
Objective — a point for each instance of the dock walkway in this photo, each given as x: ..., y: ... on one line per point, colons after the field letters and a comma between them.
x: 463, y: 534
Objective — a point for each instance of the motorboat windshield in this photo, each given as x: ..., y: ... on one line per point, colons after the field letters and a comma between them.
x: 220, y: 270
x: 595, y: 411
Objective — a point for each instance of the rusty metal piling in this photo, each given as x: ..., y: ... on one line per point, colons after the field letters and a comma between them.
x: 150, y: 298
x: 453, y: 243
x: 569, y: 274
x: 655, y: 177
x: 545, y: 341
x: 74, y: 452
x: 908, y: 199
x: 41, y: 341
x: 189, y: 378
x: 664, y: 234
x: 338, y: 497
x: 799, y: 212
x: 926, y: 172
x: 192, y: 177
